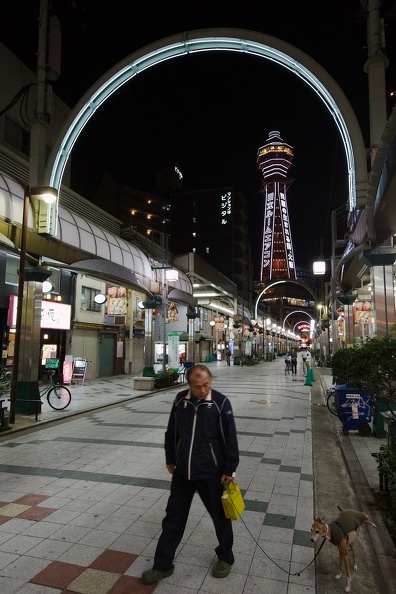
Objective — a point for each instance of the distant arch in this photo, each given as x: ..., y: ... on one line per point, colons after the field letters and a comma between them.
x: 299, y: 322
x: 294, y: 312
x: 237, y: 40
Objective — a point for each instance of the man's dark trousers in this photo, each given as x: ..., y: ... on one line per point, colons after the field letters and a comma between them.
x: 177, y: 510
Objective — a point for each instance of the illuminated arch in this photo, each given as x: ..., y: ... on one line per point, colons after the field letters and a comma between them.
x: 294, y: 312
x: 299, y: 322
x: 279, y: 282
x: 237, y: 40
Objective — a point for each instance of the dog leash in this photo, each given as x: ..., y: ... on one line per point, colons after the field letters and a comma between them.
x: 297, y: 573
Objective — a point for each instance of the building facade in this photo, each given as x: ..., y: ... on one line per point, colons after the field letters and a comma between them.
x: 213, y: 224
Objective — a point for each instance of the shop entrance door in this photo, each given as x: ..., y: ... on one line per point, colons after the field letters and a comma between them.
x: 107, y: 351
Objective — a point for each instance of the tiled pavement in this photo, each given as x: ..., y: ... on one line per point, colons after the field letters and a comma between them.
x: 81, y: 502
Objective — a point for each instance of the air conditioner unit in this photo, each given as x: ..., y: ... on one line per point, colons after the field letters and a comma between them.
x: 115, y: 320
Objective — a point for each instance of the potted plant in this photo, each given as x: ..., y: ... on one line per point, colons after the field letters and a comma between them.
x: 164, y: 379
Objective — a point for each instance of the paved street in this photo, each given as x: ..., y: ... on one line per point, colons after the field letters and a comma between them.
x: 82, y: 498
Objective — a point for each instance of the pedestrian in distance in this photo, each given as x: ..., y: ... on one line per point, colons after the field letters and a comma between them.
x: 293, y: 357
x: 228, y: 356
x: 201, y: 452
x: 287, y: 364
x: 306, y: 357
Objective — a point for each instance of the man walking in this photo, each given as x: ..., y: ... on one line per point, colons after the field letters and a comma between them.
x: 201, y: 451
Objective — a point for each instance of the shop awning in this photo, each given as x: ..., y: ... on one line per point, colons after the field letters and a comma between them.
x: 181, y: 297
x: 197, y: 336
x: 110, y: 271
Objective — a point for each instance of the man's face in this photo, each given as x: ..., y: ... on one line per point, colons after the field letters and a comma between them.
x: 200, y: 384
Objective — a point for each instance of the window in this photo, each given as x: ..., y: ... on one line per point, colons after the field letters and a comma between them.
x: 87, y: 299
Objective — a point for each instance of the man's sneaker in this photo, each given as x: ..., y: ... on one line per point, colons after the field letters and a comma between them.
x: 221, y: 569
x: 151, y: 576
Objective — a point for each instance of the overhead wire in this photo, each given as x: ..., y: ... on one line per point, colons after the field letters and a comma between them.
x: 22, y: 97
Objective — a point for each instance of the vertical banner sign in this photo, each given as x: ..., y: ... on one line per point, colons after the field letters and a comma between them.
x: 225, y: 207
x: 67, y: 369
x: 268, y: 232
x: 286, y: 231
x: 67, y: 372
x: 173, y: 350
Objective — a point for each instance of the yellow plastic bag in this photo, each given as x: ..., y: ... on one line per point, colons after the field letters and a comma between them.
x: 232, y: 500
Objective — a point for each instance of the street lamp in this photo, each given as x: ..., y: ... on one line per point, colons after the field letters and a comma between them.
x: 48, y: 195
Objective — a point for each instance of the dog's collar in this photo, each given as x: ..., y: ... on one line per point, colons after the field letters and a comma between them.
x: 327, y: 534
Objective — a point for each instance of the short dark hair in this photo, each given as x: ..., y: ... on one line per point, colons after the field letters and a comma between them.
x: 200, y: 367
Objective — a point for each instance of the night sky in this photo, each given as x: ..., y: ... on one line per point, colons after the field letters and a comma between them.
x: 211, y: 112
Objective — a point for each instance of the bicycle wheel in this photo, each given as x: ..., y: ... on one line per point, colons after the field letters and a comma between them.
x: 59, y: 397
x: 332, y: 403
x: 5, y: 382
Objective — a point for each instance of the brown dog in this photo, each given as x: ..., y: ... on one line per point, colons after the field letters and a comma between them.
x: 342, y: 533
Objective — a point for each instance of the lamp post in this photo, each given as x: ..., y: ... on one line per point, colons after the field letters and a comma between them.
x: 333, y: 284
x: 48, y: 195
x: 169, y: 274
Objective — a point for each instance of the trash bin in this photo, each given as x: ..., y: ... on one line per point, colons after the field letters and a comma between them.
x: 354, y: 410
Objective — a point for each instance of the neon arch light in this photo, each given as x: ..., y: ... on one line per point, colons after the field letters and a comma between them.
x: 294, y: 312
x: 279, y: 282
x: 299, y: 322
x: 248, y: 42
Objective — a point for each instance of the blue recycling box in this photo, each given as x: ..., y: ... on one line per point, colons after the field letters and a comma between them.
x: 354, y: 410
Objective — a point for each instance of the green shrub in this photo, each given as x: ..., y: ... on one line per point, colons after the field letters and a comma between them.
x: 370, y: 367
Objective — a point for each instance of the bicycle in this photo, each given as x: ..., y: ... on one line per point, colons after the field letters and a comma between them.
x: 58, y: 395
x: 5, y: 381
x: 332, y: 402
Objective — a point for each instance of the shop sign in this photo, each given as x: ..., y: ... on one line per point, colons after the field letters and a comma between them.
x: 53, y: 315
x: 87, y: 326
x: 173, y: 350
x: 138, y: 332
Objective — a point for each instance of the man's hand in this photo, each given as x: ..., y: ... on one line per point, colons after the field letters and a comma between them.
x: 170, y: 468
x: 226, y: 479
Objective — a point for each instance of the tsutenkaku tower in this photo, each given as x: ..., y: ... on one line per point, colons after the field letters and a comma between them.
x: 277, y: 257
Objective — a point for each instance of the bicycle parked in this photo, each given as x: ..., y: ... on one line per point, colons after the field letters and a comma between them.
x: 332, y: 402
x: 58, y: 395
x: 5, y: 381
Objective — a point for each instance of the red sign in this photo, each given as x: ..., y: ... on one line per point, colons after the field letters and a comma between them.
x: 67, y: 372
